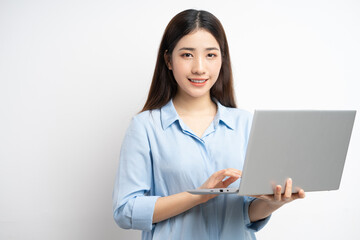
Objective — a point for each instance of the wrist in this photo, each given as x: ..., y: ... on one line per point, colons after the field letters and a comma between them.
x: 199, y: 199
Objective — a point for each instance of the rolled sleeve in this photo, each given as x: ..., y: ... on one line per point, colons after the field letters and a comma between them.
x: 143, y: 212
x: 253, y: 226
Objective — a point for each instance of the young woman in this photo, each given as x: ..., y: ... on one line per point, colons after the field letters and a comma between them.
x: 190, y: 135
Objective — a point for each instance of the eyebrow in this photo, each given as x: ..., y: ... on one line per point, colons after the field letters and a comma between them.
x: 193, y: 49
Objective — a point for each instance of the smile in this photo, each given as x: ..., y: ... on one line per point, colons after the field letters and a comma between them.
x: 197, y: 80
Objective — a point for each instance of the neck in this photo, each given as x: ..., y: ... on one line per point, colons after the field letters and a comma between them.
x: 186, y: 105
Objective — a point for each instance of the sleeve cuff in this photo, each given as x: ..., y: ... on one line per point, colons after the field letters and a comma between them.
x: 143, y: 211
x: 253, y: 226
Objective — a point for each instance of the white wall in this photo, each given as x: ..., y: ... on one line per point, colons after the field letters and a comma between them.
x: 72, y: 73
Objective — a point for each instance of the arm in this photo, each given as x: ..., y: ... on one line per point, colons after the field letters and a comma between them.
x: 265, y: 205
x: 170, y: 206
x: 133, y: 204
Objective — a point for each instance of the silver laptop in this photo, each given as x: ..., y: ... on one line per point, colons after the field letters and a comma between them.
x: 309, y: 146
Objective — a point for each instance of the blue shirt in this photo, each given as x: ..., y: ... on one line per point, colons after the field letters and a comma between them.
x: 161, y: 156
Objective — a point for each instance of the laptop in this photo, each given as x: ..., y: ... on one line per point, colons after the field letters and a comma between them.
x: 308, y: 146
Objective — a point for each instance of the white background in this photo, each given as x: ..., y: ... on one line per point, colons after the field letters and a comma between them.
x: 73, y: 73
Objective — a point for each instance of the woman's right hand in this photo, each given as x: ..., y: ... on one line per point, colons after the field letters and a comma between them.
x: 169, y: 206
x: 220, y: 179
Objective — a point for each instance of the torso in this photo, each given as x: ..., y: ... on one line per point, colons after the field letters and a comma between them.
x: 181, y: 161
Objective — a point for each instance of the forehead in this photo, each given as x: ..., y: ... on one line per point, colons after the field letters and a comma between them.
x: 198, y: 39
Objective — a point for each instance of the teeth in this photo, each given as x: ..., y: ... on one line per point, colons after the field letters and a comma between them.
x: 197, y: 81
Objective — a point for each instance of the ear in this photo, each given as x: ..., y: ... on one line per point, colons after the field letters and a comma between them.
x: 167, y: 59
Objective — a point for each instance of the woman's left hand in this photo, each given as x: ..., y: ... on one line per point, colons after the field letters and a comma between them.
x: 280, y: 199
x: 265, y: 205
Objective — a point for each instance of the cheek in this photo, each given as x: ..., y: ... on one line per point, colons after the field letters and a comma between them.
x: 216, y: 69
x: 179, y: 70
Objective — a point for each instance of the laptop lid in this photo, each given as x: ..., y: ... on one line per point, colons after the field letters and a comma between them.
x: 308, y: 146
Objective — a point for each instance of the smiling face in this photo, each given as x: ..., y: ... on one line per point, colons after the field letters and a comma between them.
x: 196, y: 63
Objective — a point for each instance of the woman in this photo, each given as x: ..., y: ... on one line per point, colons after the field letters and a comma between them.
x: 190, y: 135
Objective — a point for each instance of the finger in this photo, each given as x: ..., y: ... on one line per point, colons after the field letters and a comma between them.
x: 230, y: 172
x: 217, y: 176
x: 236, y: 171
x: 288, y: 190
x: 277, y: 193
x: 301, y: 193
x: 216, y: 180
x: 229, y: 181
x: 220, y: 175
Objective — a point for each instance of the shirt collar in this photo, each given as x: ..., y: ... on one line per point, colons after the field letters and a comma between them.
x: 168, y: 115
x: 223, y: 115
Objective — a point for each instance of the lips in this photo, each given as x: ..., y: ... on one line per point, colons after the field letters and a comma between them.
x: 197, y: 80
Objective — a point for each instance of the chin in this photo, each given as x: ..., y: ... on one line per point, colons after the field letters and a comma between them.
x: 198, y: 94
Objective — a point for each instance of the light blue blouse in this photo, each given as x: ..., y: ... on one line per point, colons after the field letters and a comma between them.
x: 161, y: 156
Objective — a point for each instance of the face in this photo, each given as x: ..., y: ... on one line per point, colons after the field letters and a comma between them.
x: 195, y: 63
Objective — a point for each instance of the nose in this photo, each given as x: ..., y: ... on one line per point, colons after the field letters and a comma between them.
x: 198, y: 66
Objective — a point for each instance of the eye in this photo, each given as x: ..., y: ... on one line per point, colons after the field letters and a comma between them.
x: 211, y: 55
x: 186, y: 55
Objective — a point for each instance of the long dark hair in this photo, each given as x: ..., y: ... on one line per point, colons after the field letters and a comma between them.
x: 163, y: 86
